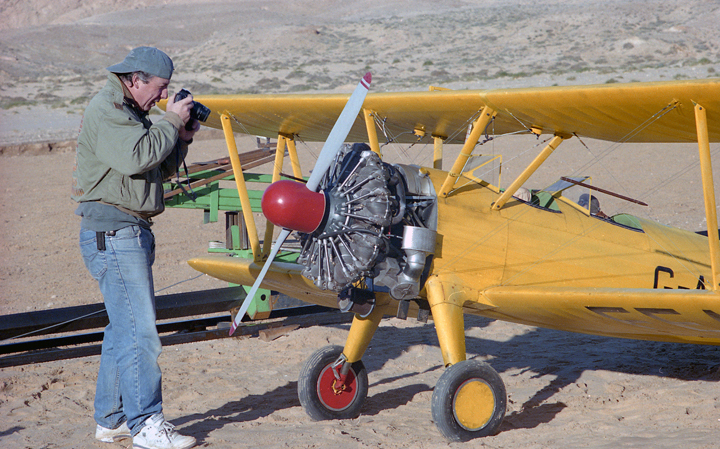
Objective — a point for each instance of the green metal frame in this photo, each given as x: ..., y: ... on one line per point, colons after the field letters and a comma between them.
x: 211, y: 199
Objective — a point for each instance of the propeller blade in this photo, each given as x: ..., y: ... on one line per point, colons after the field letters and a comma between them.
x: 248, y: 299
x: 339, y: 132
x: 334, y: 142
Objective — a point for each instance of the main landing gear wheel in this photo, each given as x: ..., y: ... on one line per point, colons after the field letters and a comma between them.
x: 469, y: 401
x: 325, y: 396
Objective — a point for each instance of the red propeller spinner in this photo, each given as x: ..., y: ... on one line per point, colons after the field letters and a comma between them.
x: 291, y: 205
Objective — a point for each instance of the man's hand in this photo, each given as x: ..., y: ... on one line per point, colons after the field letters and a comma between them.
x: 187, y: 134
x: 181, y: 108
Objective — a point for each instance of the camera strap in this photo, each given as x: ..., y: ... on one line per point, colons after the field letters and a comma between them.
x: 191, y: 194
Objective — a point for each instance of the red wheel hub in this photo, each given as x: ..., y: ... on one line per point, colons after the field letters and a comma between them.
x: 334, y: 394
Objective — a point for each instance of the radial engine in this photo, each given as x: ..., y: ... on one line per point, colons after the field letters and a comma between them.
x: 378, y: 231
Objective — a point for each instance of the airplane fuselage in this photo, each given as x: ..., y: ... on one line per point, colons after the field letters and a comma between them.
x: 560, y: 268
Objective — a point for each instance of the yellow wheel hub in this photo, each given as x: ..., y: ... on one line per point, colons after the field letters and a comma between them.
x: 474, y: 404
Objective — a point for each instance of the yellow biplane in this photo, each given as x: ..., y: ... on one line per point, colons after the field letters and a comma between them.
x: 383, y: 239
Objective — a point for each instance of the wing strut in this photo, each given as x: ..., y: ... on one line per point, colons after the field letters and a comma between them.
x: 478, y: 127
x: 277, y: 169
x: 240, y: 184
x: 292, y: 151
x: 437, y: 152
x: 534, y: 165
x: 371, y: 131
x: 709, y: 194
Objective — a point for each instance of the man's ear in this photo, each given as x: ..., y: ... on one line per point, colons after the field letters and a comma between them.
x: 131, y: 82
x: 134, y: 80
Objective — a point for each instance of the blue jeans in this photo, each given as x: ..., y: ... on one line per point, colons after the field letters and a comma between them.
x: 129, y: 380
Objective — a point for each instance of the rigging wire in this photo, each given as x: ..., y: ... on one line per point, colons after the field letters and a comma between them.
x: 623, y: 140
x: 656, y: 188
x: 97, y: 312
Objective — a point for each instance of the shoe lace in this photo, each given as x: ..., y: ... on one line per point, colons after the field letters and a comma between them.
x: 168, y: 429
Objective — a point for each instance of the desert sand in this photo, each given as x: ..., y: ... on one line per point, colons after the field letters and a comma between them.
x: 564, y: 390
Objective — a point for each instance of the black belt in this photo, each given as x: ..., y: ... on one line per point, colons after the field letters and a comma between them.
x: 100, y: 238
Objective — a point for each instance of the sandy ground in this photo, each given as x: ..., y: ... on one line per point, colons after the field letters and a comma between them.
x: 565, y: 390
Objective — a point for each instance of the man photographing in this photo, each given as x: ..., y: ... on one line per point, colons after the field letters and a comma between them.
x: 121, y: 161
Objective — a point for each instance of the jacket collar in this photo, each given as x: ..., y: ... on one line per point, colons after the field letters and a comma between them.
x: 122, y: 94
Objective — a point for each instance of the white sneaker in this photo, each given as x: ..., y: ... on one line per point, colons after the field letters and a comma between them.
x: 160, y: 434
x: 109, y: 435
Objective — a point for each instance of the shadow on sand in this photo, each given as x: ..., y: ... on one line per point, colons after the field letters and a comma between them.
x: 539, y: 351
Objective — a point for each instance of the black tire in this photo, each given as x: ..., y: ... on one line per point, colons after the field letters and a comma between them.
x: 315, y: 384
x: 469, y: 401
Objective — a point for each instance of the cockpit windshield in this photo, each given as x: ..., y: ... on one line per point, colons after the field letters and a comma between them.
x: 577, y: 192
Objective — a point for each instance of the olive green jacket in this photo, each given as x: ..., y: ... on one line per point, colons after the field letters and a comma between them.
x: 122, y: 157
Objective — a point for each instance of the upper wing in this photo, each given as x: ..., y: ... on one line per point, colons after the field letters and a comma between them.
x: 634, y: 112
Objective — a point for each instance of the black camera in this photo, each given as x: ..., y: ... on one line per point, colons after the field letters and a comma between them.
x: 199, y: 111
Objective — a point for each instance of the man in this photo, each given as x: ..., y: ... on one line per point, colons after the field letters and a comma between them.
x: 594, y: 203
x: 121, y: 160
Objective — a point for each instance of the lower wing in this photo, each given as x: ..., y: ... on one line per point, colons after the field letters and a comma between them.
x: 281, y: 276
x: 683, y: 316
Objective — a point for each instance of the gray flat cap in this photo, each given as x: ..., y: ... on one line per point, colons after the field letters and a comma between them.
x: 145, y: 59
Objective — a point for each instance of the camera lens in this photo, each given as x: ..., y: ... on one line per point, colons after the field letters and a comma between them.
x: 200, y: 112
